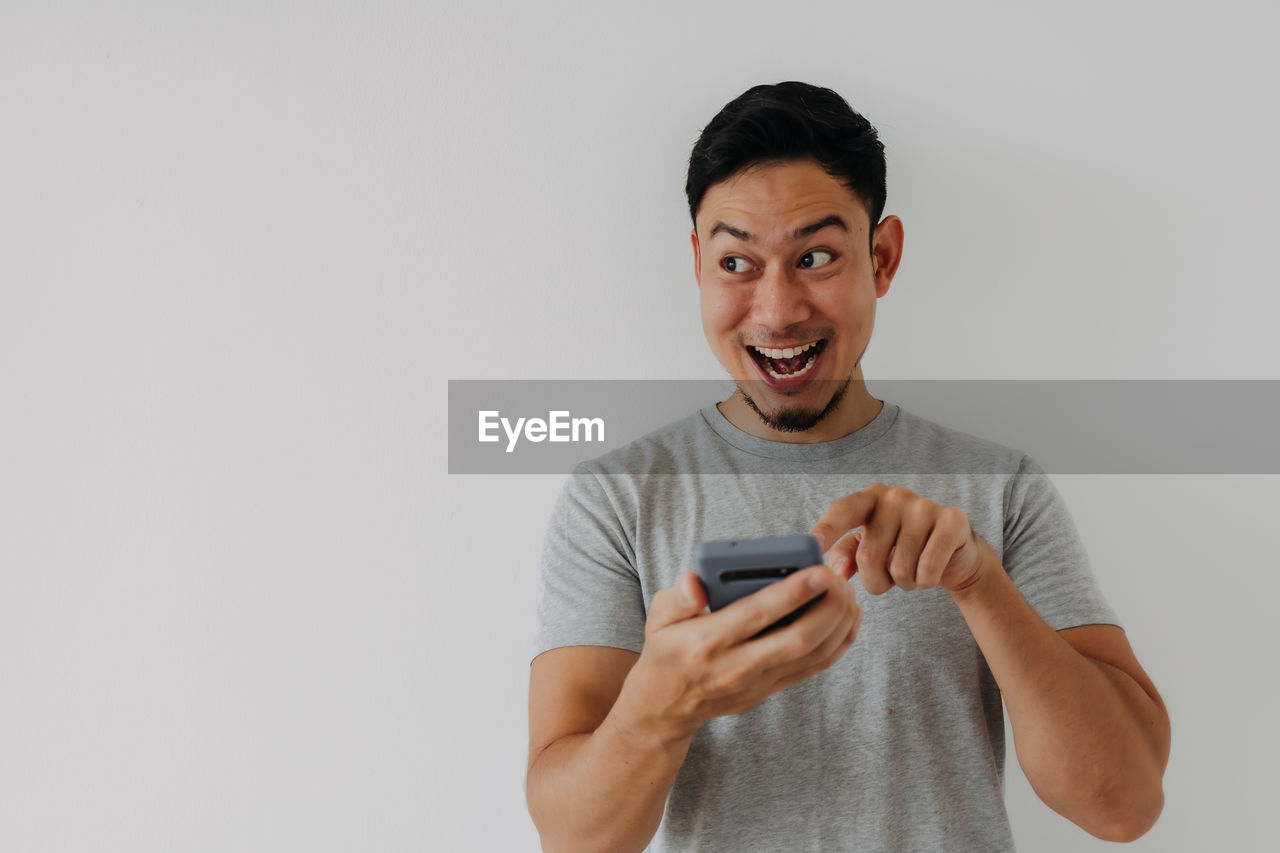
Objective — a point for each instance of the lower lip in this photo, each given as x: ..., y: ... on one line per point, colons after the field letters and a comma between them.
x: 787, y: 384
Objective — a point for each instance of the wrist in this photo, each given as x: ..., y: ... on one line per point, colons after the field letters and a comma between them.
x: 986, y: 575
x: 644, y: 721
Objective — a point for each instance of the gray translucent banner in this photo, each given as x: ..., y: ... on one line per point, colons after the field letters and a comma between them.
x: 1067, y: 426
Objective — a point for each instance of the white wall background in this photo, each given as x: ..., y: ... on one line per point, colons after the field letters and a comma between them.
x: 243, y: 606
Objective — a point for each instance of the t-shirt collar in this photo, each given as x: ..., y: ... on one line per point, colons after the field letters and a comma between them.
x: 757, y: 446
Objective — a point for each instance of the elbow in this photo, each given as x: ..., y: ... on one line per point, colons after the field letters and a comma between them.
x: 1125, y: 808
x: 557, y: 832
x: 1128, y: 821
x: 537, y: 814
x: 549, y: 840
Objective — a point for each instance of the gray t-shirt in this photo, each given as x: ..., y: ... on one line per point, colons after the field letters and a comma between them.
x: 899, y: 746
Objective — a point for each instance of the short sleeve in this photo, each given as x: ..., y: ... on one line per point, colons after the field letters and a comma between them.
x: 1044, y: 555
x: 590, y: 592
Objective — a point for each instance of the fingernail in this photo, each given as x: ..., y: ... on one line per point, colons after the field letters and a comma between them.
x: 841, y: 564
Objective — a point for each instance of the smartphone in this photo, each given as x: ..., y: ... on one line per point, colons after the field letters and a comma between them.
x: 732, y: 568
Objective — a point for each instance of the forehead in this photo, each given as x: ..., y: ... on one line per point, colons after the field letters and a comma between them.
x: 771, y: 200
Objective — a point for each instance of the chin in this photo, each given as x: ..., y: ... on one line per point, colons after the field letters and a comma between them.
x: 789, y: 414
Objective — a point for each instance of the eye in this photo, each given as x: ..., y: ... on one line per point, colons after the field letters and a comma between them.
x: 819, y: 258
x: 736, y: 263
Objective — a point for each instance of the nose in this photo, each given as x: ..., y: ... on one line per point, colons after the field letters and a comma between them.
x: 780, y: 300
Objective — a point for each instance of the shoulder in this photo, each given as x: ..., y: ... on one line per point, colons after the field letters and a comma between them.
x: 939, y: 449
x: 675, y: 448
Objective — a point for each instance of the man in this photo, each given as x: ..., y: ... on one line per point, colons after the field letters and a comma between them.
x: 874, y: 721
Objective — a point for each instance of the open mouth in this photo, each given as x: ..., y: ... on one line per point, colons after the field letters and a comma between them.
x: 788, y: 364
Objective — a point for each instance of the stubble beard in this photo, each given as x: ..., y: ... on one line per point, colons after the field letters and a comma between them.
x: 797, y: 420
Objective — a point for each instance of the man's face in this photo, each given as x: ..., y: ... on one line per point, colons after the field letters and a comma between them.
x: 782, y: 257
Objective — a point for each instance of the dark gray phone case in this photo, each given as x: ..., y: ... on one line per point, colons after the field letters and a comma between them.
x: 732, y: 568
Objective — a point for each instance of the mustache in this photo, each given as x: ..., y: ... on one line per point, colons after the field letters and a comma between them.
x: 780, y: 341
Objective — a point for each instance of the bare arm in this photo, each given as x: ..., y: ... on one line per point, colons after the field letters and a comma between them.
x: 1091, y: 732
x: 609, y: 729
x: 603, y: 786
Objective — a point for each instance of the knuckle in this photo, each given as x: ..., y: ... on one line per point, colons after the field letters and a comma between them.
x: 793, y: 678
x: 922, y: 510
x: 808, y: 671
x: 795, y: 646
x: 953, y: 516
x: 840, y: 644
x: 802, y: 591
x: 831, y: 640
x: 721, y: 685
x: 896, y: 495
x: 822, y: 662
x: 701, y: 653
x: 834, y: 651
x: 712, y: 685
x: 733, y: 682
x: 754, y: 618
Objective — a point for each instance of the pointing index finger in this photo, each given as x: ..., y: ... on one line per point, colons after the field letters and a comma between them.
x: 842, y: 516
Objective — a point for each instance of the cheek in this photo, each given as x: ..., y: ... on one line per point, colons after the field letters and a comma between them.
x: 863, y: 311
x: 852, y: 300
x: 723, y: 309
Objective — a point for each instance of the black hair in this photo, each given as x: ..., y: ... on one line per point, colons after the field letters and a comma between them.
x: 784, y: 122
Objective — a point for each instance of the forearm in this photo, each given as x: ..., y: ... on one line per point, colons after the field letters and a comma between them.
x: 605, y: 791
x: 1088, y: 737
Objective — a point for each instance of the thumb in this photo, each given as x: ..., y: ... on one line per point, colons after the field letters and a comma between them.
x: 842, y: 556
x: 677, y: 603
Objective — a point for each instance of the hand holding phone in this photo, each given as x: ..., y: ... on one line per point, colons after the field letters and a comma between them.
x: 695, y: 665
x: 733, y: 568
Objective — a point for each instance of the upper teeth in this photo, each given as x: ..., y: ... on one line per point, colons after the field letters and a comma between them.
x: 790, y: 352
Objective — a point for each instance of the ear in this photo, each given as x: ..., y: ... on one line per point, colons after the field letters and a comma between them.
x: 886, y: 252
x: 697, y: 257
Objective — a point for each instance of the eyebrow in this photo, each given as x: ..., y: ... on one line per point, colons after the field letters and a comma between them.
x: 799, y: 234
